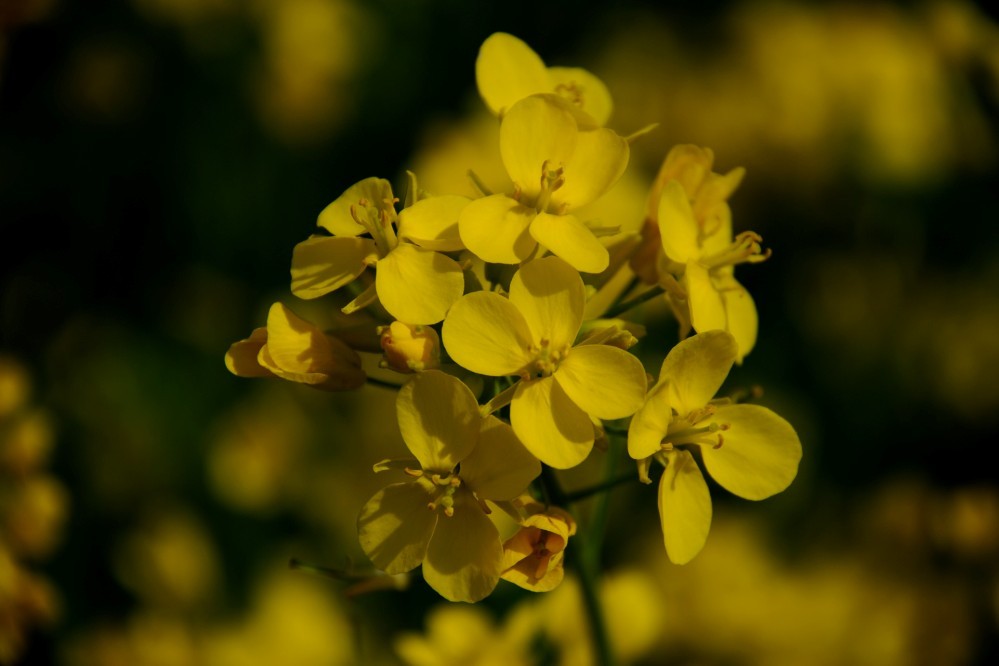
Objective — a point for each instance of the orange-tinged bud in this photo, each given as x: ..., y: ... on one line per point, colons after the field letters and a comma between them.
x: 533, y: 557
x: 410, y: 348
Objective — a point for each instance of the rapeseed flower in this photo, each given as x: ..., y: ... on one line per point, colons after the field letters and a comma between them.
x: 440, y: 518
x: 694, y: 223
x: 293, y: 349
x: 534, y: 556
x: 748, y: 449
x: 531, y: 334
x: 558, y: 159
x: 508, y: 70
x: 413, y: 280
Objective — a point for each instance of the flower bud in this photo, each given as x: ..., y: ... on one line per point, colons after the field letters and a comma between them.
x: 410, y: 348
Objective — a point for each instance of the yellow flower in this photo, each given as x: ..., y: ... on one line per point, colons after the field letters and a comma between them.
x: 558, y: 159
x: 508, y: 70
x: 293, y: 349
x: 410, y: 348
x: 533, y: 557
x: 748, y: 449
x: 439, y: 518
x: 531, y: 334
x: 413, y: 280
x: 695, y: 226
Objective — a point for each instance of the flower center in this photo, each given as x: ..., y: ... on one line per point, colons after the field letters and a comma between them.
x: 745, y: 249
x: 551, y: 180
x: 445, y: 486
x: 546, y: 358
x: 377, y: 221
x: 697, y: 427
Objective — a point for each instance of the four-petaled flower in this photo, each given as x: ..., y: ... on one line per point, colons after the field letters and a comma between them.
x: 439, y: 518
x: 413, y: 280
x: 748, y: 449
x: 531, y: 334
x: 558, y: 159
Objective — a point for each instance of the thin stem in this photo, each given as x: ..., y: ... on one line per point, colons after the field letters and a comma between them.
x: 586, y: 570
x: 621, y: 308
x: 579, y: 495
x: 498, y: 401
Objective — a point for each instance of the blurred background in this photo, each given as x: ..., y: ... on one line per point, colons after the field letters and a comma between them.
x: 159, y: 159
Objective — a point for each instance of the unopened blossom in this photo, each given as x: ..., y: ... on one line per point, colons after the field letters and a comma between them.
x: 531, y: 335
x: 409, y: 347
x: 748, y: 449
x: 533, y: 557
x: 559, y: 159
x: 413, y: 280
x: 439, y: 518
x: 508, y: 70
x: 694, y: 224
x: 294, y: 349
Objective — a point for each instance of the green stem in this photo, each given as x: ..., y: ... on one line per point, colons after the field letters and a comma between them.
x: 586, y: 569
x: 579, y: 495
x: 621, y: 308
x: 383, y: 383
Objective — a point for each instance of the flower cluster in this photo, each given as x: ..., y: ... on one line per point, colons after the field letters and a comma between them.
x: 502, y: 316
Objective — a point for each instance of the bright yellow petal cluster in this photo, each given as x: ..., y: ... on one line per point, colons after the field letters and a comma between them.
x: 531, y: 334
x: 748, y: 449
x: 410, y: 348
x: 688, y: 233
x: 413, y: 280
x: 559, y: 159
x: 508, y: 70
x: 293, y: 349
x: 437, y: 519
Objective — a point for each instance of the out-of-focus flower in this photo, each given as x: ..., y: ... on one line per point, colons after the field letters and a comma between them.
x: 533, y: 557
x: 169, y: 561
x: 438, y: 518
x: 559, y: 159
x: 531, y: 334
x: 748, y: 449
x: 463, y: 635
x: 413, y: 280
x: 508, y: 70
x: 410, y: 348
x: 293, y: 349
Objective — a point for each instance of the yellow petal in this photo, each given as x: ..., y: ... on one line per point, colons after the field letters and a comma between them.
x: 602, y: 380
x: 571, y: 240
x: 432, y: 223
x: 759, y: 454
x: 418, y: 286
x: 549, y: 424
x: 550, y: 295
x: 684, y: 507
x: 743, y: 321
x: 322, y: 264
x: 534, y: 131
x: 495, y: 229
x: 395, y: 526
x: 439, y: 420
x: 298, y: 351
x: 336, y: 217
x: 696, y: 368
x: 499, y: 468
x: 649, y: 424
x: 583, y: 89
x: 508, y: 70
x: 677, y: 225
x: 241, y: 359
x: 486, y: 333
x: 707, y: 308
x: 464, y: 556
x: 598, y: 161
